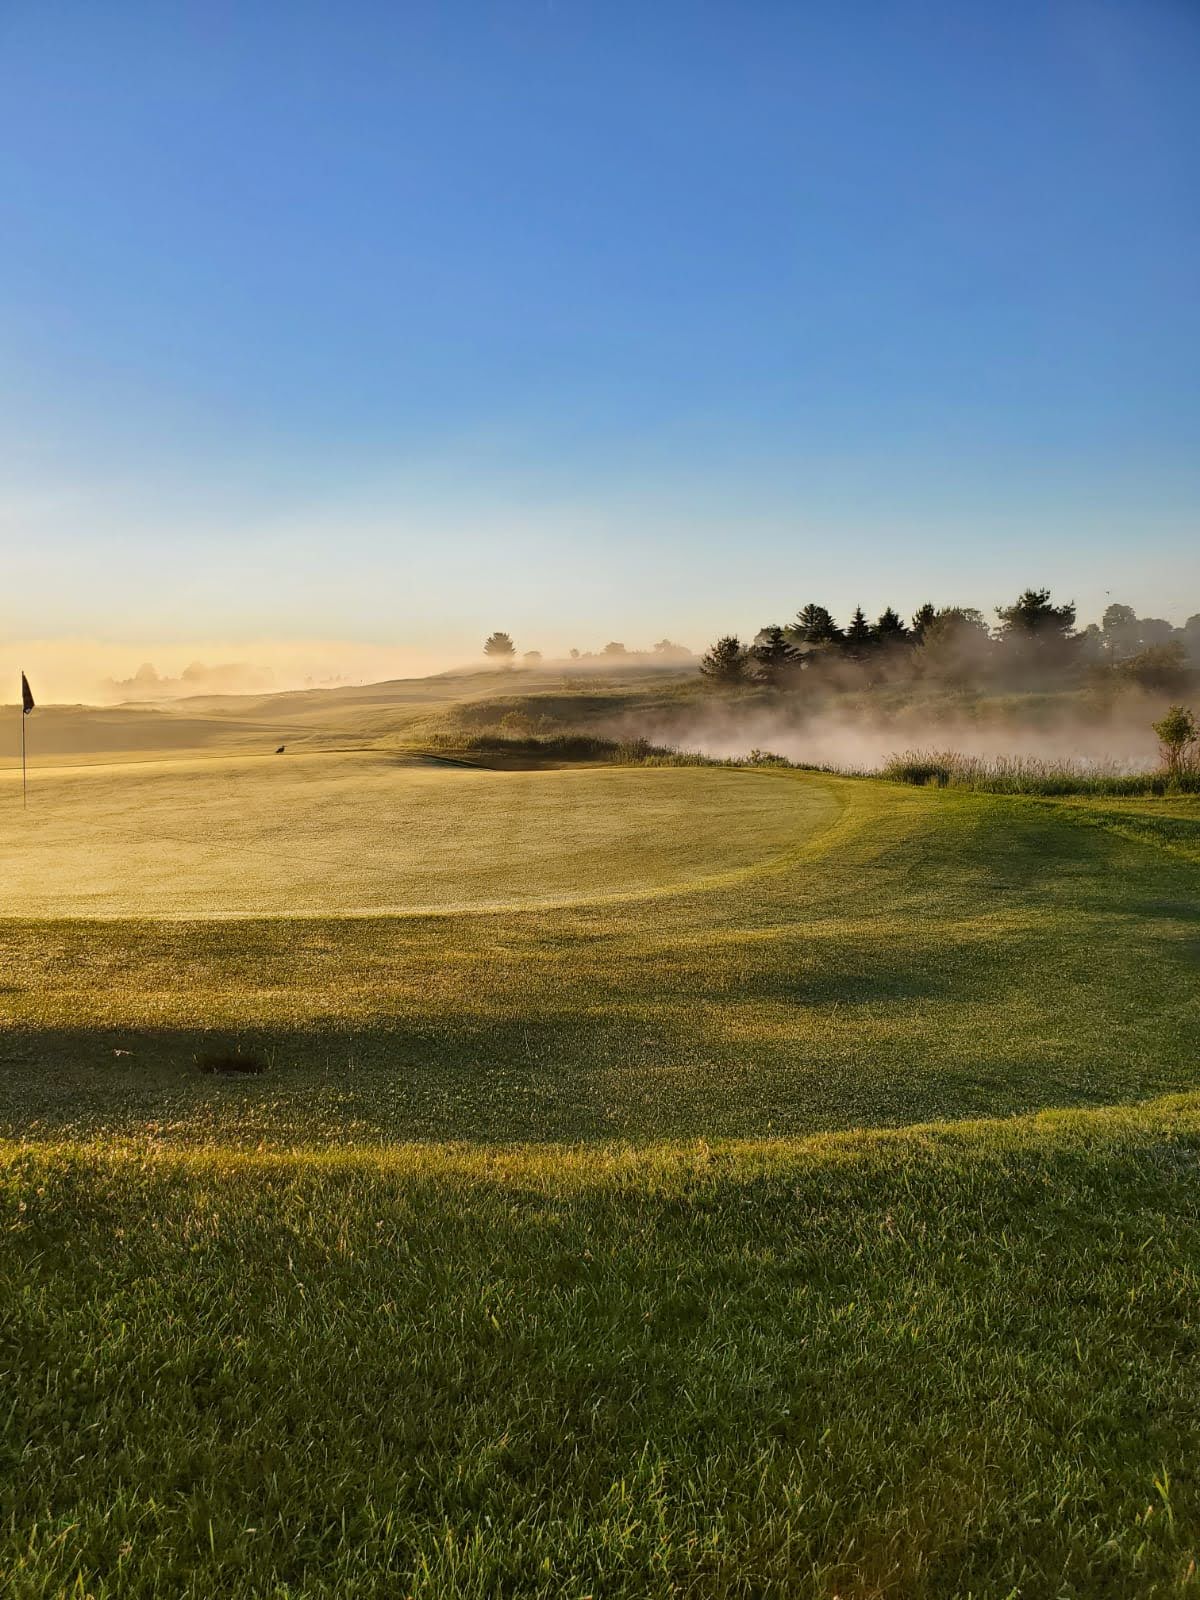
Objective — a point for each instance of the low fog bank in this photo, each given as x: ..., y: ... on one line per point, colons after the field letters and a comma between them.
x: 1030, y: 684
x: 99, y: 672
x: 73, y: 671
x: 1120, y: 739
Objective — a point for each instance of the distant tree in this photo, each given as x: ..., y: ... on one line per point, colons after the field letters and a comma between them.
x: 1156, y: 631
x: 813, y: 625
x: 857, y: 639
x: 961, y: 619
x: 1032, y: 617
x: 956, y: 645
x: 532, y: 657
x: 890, y: 631
x: 1037, y: 637
x: 773, y: 658
x: 1119, y: 631
x: 727, y: 662
x: 1091, y: 645
x: 499, y: 647
x: 1161, y: 667
x: 670, y: 651
x: 1191, y: 636
x: 614, y: 648
x: 1177, y: 732
x: 574, y: 654
x: 922, y: 620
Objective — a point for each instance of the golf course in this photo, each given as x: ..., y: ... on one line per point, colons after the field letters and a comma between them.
x: 426, y: 1173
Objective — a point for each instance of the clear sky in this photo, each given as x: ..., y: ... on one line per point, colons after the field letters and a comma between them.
x: 391, y: 324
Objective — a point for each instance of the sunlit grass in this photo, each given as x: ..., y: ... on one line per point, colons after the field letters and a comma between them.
x: 532, y: 1263
x: 950, y: 1361
x: 1037, y: 775
x: 372, y: 832
x: 919, y: 955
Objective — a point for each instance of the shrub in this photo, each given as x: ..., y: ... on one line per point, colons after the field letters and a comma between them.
x: 1177, y: 737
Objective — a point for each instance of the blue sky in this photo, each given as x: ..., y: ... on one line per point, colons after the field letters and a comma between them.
x: 390, y: 324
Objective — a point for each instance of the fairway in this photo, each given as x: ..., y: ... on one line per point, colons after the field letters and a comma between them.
x: 370, y: 833
x: 585, y: 954
x: 661, y: 1182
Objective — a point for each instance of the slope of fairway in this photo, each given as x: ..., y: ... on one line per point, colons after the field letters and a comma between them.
x: 830, y: 954
x: 513, y: 1273
x: 950, y: 1362
x: 368, y: 832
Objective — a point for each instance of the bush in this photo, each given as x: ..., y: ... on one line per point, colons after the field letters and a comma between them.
x: 1178, y: 735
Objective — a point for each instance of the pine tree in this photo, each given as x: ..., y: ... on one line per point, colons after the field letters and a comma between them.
x: 499, y: 647
x: 923, y: 618
x: 772, y: 656
x: 726, y: 662
x: 889, y: 630
x: 857, y: 639
x: 1032, y: 617
x: 814, y: 625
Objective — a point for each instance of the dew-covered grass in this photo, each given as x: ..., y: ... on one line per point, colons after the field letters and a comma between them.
x: 958, y: 1360
x: 816, y: 1218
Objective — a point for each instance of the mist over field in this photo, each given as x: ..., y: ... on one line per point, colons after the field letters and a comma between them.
x: 75, y: 671
x: 863, y: 739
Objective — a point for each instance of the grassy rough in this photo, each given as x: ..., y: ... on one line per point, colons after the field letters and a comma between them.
x: 952, y: 1361
x: 1033, y: 775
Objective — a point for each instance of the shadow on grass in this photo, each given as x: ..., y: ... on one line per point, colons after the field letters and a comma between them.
x: 773, y: 1061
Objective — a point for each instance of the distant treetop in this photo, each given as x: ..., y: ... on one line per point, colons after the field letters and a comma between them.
x: 499, y: 647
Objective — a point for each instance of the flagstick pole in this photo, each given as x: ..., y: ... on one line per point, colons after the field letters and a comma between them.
x: 24, y: 791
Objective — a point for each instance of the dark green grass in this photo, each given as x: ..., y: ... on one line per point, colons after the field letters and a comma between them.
x: 948, y: 1362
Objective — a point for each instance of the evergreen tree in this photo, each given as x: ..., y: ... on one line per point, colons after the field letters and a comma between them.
x: 1037, y: 636
x: 814, y: 625
x: 774, y: 660
x: 922, y: 621
x: 1032, y: 618
x: 726, y: 663
x: 857, y: 640
x: 499, y: 647
x: 889, y: 630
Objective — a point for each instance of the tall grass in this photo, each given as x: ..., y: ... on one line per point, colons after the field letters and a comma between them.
x: 1033, y: 775
x: 555, y: 747
x: 551, y: 747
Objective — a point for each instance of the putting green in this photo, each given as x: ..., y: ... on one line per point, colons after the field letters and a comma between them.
x: 365, y: 833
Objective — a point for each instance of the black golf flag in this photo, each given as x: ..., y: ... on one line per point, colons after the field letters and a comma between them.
x: 27, y: 701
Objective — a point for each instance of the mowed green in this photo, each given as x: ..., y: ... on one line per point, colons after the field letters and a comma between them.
x: 553, y: 1254
x: 377, y: 832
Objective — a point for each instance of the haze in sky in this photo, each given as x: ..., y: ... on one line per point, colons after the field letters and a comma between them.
x: 389, y: 325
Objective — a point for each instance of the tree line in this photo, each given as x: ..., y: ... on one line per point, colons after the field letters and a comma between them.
x: 501, y: 648
x: 1032, y: 638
